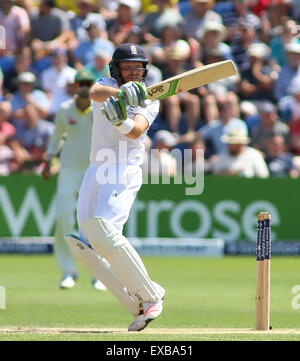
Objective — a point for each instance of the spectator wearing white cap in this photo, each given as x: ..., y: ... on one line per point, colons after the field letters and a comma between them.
x: 120, y: 27
x: 211, y: 37
x: 239, y: 159
x: 184, y: 106
x: 26, y: 95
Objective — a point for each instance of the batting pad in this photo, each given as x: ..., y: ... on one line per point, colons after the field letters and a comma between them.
x: 102, y: 270
x: 124, y: 259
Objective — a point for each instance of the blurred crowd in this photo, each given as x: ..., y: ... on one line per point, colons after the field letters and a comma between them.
x: 247, y: 125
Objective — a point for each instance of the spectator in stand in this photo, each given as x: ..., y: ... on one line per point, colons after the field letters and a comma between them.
x: 278, y: 12
x: 212, y: 132
x: 85, y: 12
x: 7, y: 131
x: 295, y: 10
x: 235, y: 12
x: 280, y: 162
x: 245, y: 36
x: 26, y: 95
x: 108, y: 8
x: 239, y: 159
x: 213, y: 34
x: 288, y: 71
x: 269, y: 124
x: 50, y: 29
x: 31, y: 138
x: 249, y: 114
x: 154, y: 22
x: 120, y: 27
x: 259, y: 7
x: 99, y: 67
x: 22, y: 63
x: 170, y: 33
x: 258, y: 79
x: 55, y: 79
x: 200, y: 12
x: 290, y: 105
x: 175, y: 64
x: 290, y: 109
x: 135, y: 36
x: 86, y: 49
x: 29, y: 109
x: 288, y: 32
x: 17, y: 25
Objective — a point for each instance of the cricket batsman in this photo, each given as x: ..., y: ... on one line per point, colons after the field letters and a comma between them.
x: 121, y: 118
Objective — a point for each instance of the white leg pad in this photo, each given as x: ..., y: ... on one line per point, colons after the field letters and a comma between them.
x: 124, y: 259
x: 102, y: 270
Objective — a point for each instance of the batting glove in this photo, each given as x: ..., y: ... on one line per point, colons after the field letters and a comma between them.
x: 114, y: 112
x: 133, y: 93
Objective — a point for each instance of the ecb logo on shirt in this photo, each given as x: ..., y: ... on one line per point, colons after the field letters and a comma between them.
x: 2, y: 37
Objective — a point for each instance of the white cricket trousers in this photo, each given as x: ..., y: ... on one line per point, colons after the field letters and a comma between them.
x: 111, y: 200
x: 68, y: 185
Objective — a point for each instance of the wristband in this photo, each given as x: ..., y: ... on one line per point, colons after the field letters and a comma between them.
x: 127, y: 126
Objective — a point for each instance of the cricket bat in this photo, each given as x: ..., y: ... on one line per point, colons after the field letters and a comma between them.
x: 186, y: 81
x: 192, y: 79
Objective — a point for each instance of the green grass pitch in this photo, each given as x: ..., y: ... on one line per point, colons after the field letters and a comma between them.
x: 206, y: 299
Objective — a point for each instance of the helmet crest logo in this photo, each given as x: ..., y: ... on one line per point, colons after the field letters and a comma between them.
x: 133, y: 49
